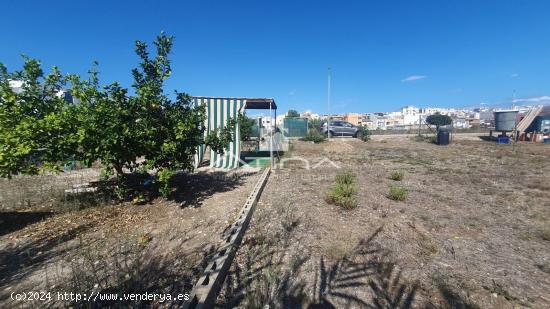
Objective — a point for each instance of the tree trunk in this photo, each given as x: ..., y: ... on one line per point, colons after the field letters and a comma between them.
x: 118, y: 169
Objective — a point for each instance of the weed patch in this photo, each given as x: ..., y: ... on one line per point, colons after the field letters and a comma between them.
x: 424, y: 139
x: 398, y: 193
x: 545, y: 234
x: 364, y: 134
x: 427, y: 246
x: 345, y: 178
x: 500, y: 290
x: 397, y: 175
x: 314, y: 136
x: 289, y: 220
x: 344, y: 191
x: 544, y: 267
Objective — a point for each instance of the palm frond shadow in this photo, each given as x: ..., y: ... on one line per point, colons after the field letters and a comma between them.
x: 450, y: 298
x: 263, y: 265
x: 138, y: 273
x: 363, y: 278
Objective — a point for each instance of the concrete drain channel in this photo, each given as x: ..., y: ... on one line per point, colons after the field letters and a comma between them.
x: 208, y: 286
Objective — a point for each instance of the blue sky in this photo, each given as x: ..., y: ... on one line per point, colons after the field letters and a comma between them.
x: 383, y: 54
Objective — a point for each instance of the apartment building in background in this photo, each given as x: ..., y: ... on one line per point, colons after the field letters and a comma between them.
x: 410, y: 117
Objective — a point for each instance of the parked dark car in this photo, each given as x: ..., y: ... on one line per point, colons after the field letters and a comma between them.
x: 341, y: 128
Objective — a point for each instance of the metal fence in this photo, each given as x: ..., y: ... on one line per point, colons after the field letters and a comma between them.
x: 295, y: 127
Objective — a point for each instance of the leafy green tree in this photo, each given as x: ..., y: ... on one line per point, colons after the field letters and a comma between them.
x: 40, y: 129
x: 118, y: 129
x: 109, y: 124
x: 37, y: 129
x: 246, y: 125
x: 438, y: 120
x: 171, y: 130
x: 292, y: 114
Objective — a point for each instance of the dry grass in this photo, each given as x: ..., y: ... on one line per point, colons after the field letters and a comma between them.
x: 118, y: 247
x: 428, y: 246
x: 470, y: 206
x: 540, y: 184
x: 473, y: 233
x: 500, y: 290
x: 47, y: 192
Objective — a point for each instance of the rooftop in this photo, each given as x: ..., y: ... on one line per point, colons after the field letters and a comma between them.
x: 251, y: 103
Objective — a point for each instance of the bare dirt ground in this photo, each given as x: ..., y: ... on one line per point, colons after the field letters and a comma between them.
x: 474, y: 231
x: 458, y: 136
x: 49, y: 243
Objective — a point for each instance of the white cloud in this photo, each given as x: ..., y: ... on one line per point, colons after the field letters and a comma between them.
x: 541, y: 99
x: 413, y: 78
x: 292, y: 92
x: 514, y: 75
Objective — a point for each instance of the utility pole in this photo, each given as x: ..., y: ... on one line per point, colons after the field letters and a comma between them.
x: 419, y: 124
x: 328, y: 103
x: 270, y: 137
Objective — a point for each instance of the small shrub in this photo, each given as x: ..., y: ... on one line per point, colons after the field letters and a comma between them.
x: 342, y: 195
x: 121, y: 189
x: 365, y: 134
x: 163, y: 178
x: 314, y: 136
x: 344, y: 191
x: 265, y: 289
x: 345, y: 178
x: 289, y: 220
x: 397, y: 175
x: 545, y: 234
x: 398, y: 193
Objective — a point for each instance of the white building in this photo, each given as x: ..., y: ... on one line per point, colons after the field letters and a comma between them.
x: 279, y: 120
x: 267, y: 122
x: 410, y: 115
x: 17, y: 87
x: 310, y: 115
x: 461, y: 123
x: 381, y: 123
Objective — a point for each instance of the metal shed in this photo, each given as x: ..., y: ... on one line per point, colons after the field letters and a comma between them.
x: 219, y: 111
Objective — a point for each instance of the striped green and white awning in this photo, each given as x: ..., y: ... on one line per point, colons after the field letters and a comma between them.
x: 219, y: 111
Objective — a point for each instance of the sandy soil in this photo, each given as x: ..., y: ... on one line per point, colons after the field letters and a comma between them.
x: 474, y: 231
x: 159, y: 247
